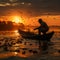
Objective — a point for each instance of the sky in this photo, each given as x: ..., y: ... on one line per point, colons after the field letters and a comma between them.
x: 36, y: 7
x: 29, y: 8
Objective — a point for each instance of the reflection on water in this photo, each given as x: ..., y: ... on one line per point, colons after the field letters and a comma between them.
x: 7, y: 33
x: 12, y: 44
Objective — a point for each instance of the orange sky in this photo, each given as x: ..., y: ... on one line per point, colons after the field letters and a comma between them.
x: 49, y: 19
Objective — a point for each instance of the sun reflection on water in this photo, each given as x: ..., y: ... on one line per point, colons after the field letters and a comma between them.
x: 16, y: 32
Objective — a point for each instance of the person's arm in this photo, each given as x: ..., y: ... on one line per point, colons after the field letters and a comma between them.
x: 36, y: 28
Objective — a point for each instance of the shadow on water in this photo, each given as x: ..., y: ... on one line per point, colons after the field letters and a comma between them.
x: 45, y: 38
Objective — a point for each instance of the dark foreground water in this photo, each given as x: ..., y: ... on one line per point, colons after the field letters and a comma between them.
x: 14, y: 47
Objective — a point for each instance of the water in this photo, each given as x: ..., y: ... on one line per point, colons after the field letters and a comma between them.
x: 12, y: 44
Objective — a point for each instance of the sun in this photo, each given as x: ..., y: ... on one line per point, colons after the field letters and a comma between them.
x: 17, y: 19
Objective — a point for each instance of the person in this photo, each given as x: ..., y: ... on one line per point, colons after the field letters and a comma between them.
x: 43, y: 28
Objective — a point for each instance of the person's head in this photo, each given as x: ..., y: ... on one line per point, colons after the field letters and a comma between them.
x: 40, y: 20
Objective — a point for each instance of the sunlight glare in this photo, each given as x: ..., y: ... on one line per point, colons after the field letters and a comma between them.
x: 16, y: 53
x: 16, y: 31
x: 17, y: 19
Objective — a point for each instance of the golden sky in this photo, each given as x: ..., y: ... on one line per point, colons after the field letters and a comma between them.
x: 49, y: 19
x: 30, y: 11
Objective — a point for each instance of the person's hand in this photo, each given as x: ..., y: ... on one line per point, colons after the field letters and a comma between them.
x: 34, y: 29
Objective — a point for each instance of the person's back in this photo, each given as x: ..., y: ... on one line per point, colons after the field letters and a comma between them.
x: 43, y: 27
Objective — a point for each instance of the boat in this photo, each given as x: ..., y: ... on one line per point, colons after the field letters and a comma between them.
x: 33, y: 36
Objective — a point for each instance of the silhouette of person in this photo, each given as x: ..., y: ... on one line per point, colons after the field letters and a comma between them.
x: 43, y: 28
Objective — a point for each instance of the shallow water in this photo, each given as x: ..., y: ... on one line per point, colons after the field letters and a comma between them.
x: 12, y: 44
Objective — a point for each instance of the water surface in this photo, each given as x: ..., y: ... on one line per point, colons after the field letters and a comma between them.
x: 12, y: 44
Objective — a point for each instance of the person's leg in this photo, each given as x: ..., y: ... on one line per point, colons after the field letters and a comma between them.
x: 44, y: 30
x: 39, y: 32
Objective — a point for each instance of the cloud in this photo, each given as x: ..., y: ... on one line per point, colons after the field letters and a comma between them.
x: 8, y: 4
x: 13, y: 0
x: 34, y: 7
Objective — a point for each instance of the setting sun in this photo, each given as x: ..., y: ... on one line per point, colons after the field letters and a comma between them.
x: 17, y: 19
